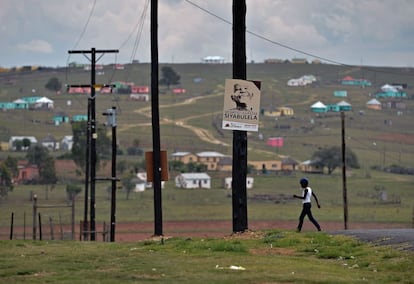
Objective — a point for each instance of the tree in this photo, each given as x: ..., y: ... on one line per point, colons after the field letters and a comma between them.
x: 26, y: 143
x: 18, y: 145
x: 72, y: 190
x: 11, y: 164
x: 169, y: 77
x: 103, y: 144
x: 39, y: 155
x: 6, y: 184
x: 53, y: 84
x: 128, y: 182
x: 331, y: 158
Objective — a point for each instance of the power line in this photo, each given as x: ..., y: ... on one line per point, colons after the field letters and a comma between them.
x: 262, y: 37
x: 86, y: 25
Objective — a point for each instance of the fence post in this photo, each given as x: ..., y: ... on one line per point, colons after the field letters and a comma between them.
x: 40, y: 227
x: 73, y: 217
x: 11, y: 226
x: 34, y: 216
x: 52, y: 232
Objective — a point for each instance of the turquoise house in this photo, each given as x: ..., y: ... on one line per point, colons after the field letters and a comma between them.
x: 80, y: 117
x: 333, y: 108
x: 60, y: 118
x: 341, y: 94
x: 344, y: 106
x: 31, y: 100
x: 390, y: 94
x: 349, y: 81
x: 7, y: 105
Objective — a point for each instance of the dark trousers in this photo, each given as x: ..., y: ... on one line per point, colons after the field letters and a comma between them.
x: 306, y: 210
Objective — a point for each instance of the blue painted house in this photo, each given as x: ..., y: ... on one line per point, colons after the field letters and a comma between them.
x: 349, y: 81
x: 341, y: 94
x: 391, y: 94
x: 344, y: 106
x: 60, y: 118
x: 80, y: 117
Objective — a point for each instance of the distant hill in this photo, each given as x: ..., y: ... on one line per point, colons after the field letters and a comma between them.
x: 191, y: 121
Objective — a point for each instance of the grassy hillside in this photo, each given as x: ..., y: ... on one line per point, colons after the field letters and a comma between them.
x: 374, y: 142
x: 200, y: 109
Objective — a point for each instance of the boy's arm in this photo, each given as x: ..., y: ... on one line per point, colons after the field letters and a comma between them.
x: 301, y: 197
x: 316, y: 199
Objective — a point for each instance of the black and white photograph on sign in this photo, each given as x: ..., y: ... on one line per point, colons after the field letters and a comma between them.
x: 241, y: 105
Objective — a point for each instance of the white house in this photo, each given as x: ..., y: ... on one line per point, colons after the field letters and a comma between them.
x: 50, y: 143
x: 193, y: 180
x: 141, y: 183
x: 228, y: 181
x: 67, y: 143
x: 44, y: 103
x: 302, y: 81
x: 13, y: 140
x: 213, y: 59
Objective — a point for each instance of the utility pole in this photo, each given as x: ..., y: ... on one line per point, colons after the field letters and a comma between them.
x: 344, y: 189
x: 156, y: 144
x: 111, y: 122
x: 239, y: 171
x: 91, y: 158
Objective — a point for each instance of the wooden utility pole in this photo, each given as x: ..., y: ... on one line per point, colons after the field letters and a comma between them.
x: 239, y: 172
x: 156, y: 144
x: 344, y: 189
x: 91, y: 139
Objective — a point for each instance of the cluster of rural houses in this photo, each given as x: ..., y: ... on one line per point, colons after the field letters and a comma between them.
x: 39, y: 103
x: 215, y: 161
x: 49, y: 142
x: 302, y: 81
x: 135, y: 92
x: 393, y: 93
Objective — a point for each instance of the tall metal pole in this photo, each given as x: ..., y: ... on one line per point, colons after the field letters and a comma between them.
x: 344, y: 189
x: 239, y: 172
x: 155, y: 121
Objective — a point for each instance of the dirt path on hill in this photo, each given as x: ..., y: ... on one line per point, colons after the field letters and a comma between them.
x: 202, y: 133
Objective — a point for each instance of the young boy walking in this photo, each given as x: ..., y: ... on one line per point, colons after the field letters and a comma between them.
x: 306, y: 202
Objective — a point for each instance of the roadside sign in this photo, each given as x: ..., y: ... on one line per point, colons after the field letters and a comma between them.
x: 241, y: 105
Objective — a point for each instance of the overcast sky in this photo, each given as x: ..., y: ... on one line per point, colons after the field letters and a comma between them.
x: 354, y: 32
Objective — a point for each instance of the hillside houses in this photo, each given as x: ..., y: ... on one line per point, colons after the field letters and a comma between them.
x: 117, y: 87
x: 218, y: 162
x: 33, y: 103
x: 350, y: 81
x: 279, y: 111
x: 320, y: 107
x: 213, y: 59
x: 391, y: 91
x: 302, y: 81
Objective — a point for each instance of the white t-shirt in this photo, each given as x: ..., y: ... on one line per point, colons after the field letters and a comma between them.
x: 308, y: 196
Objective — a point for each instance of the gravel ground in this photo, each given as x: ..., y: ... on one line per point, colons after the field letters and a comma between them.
x: 400, y: 238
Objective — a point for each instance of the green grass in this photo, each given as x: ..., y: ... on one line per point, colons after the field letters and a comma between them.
x: 364, y: 201
x: 262, y: 257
